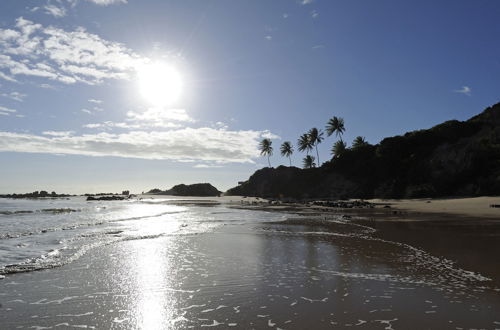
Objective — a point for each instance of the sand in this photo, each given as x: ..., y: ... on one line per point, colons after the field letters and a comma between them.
x: 477, y: 207
x: 472, y: 207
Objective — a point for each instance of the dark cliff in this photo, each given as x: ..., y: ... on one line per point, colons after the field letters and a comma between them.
x: 455, y: 158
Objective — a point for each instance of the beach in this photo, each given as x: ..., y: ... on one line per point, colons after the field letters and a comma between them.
x: 236, y: 262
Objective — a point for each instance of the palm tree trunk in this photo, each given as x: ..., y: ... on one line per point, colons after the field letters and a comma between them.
x: 317, y: 154
x: 290, y: 159
x: 269, y: 161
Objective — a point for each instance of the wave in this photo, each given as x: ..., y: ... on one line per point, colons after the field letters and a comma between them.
x: 79, y: 225
x: 431, y: 270
x: 60, y: 257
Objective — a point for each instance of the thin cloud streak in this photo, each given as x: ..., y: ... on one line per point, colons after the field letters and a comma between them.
x: 55, y: 11
x: 466, y: 90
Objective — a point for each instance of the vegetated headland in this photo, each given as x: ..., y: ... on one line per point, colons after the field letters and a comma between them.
x: 197, y: 189
x: 455, y: 158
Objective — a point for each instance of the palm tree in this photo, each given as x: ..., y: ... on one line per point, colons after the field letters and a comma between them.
x: 266, y: 148
x: 308, y: 161
x: 287, y: 150
x: 305, y: 143
x: 335, y: 125
x: 339, y: 148
x: 316, y: 136
x: 359, y: 142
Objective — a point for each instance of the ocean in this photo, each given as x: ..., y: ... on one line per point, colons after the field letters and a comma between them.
x: 169, y: 263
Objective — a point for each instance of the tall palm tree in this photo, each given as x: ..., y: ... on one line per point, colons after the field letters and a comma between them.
x: 305, y: 143
x: 316, y: 136
x: 339, y: 148
x: 359, y: 142
x: 335, y: 125
x: 308, y: 161
x: 266, y: 148
x: 287, y: 150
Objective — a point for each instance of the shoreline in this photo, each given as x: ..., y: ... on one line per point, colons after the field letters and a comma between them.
x: 464, y: 208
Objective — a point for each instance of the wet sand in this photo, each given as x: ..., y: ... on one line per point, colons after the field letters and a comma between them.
x: 321, y: 271
x: 477, y: 207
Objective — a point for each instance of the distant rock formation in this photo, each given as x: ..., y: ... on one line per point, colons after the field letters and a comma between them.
x: 455, y: 158
x: 197, y: 190
x: 107, y: 198
x: 36, y: 194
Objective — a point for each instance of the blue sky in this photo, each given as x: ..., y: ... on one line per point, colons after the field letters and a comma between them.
x: 73, y: 118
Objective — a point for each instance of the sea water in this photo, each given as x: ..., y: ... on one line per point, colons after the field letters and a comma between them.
x: 45, y: 233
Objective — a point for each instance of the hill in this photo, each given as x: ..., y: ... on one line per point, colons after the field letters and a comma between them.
x: 197, y: 189
x: 455, y: 158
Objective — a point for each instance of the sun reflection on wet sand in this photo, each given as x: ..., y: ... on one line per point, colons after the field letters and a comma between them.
x: 154, y: 305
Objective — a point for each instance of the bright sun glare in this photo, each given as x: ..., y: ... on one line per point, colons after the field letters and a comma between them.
x: 159, y: 83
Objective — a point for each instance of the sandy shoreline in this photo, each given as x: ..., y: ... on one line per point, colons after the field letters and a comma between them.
x: 470, y: 207
x: 467, y: 207
x: 403, y: 209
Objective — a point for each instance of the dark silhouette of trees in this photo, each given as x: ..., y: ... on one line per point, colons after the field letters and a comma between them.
x: 316, y: 137
x: 305, y: 143
x: 339, y: 148
x: 266, y: 149
x: 335, y: 125
x: 308, y: 162
x: 359, y: 142
x: 287, y: 150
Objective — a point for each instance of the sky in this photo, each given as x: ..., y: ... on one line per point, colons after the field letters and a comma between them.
x: 108, y: 95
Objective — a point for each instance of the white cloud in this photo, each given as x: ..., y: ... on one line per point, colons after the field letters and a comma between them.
x: 314, y: 14
x: 159, y: 117
x: 315, y: 47
x: 269, y: 135
x: 107, y: 2
x: 109, y: 125
x: 86, y: 111
x: 55, y: 11
x: 66, y: 56
x: 95, y: 101
x: 286, y: 15
x: 58, y: 133
x: 269, y: 38
x: 15, y: 96
x: 186, y: 144
x: 464, y: 90
x: 4, y: 111
x: 7, y: 77
x: 207, y: 166
x: 306, y: 2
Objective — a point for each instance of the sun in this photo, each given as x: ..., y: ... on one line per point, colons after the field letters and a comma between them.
x: 159, y: 83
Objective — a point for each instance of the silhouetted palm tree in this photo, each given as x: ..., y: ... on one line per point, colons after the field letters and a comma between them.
x: 305, y: 143
x: 335, y: 125
x: 316, y: 136
x: 358, y: 142
x: 308, y: 161
x: 287, y: 150
x: 266, y: 148
x: 339, y: 148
